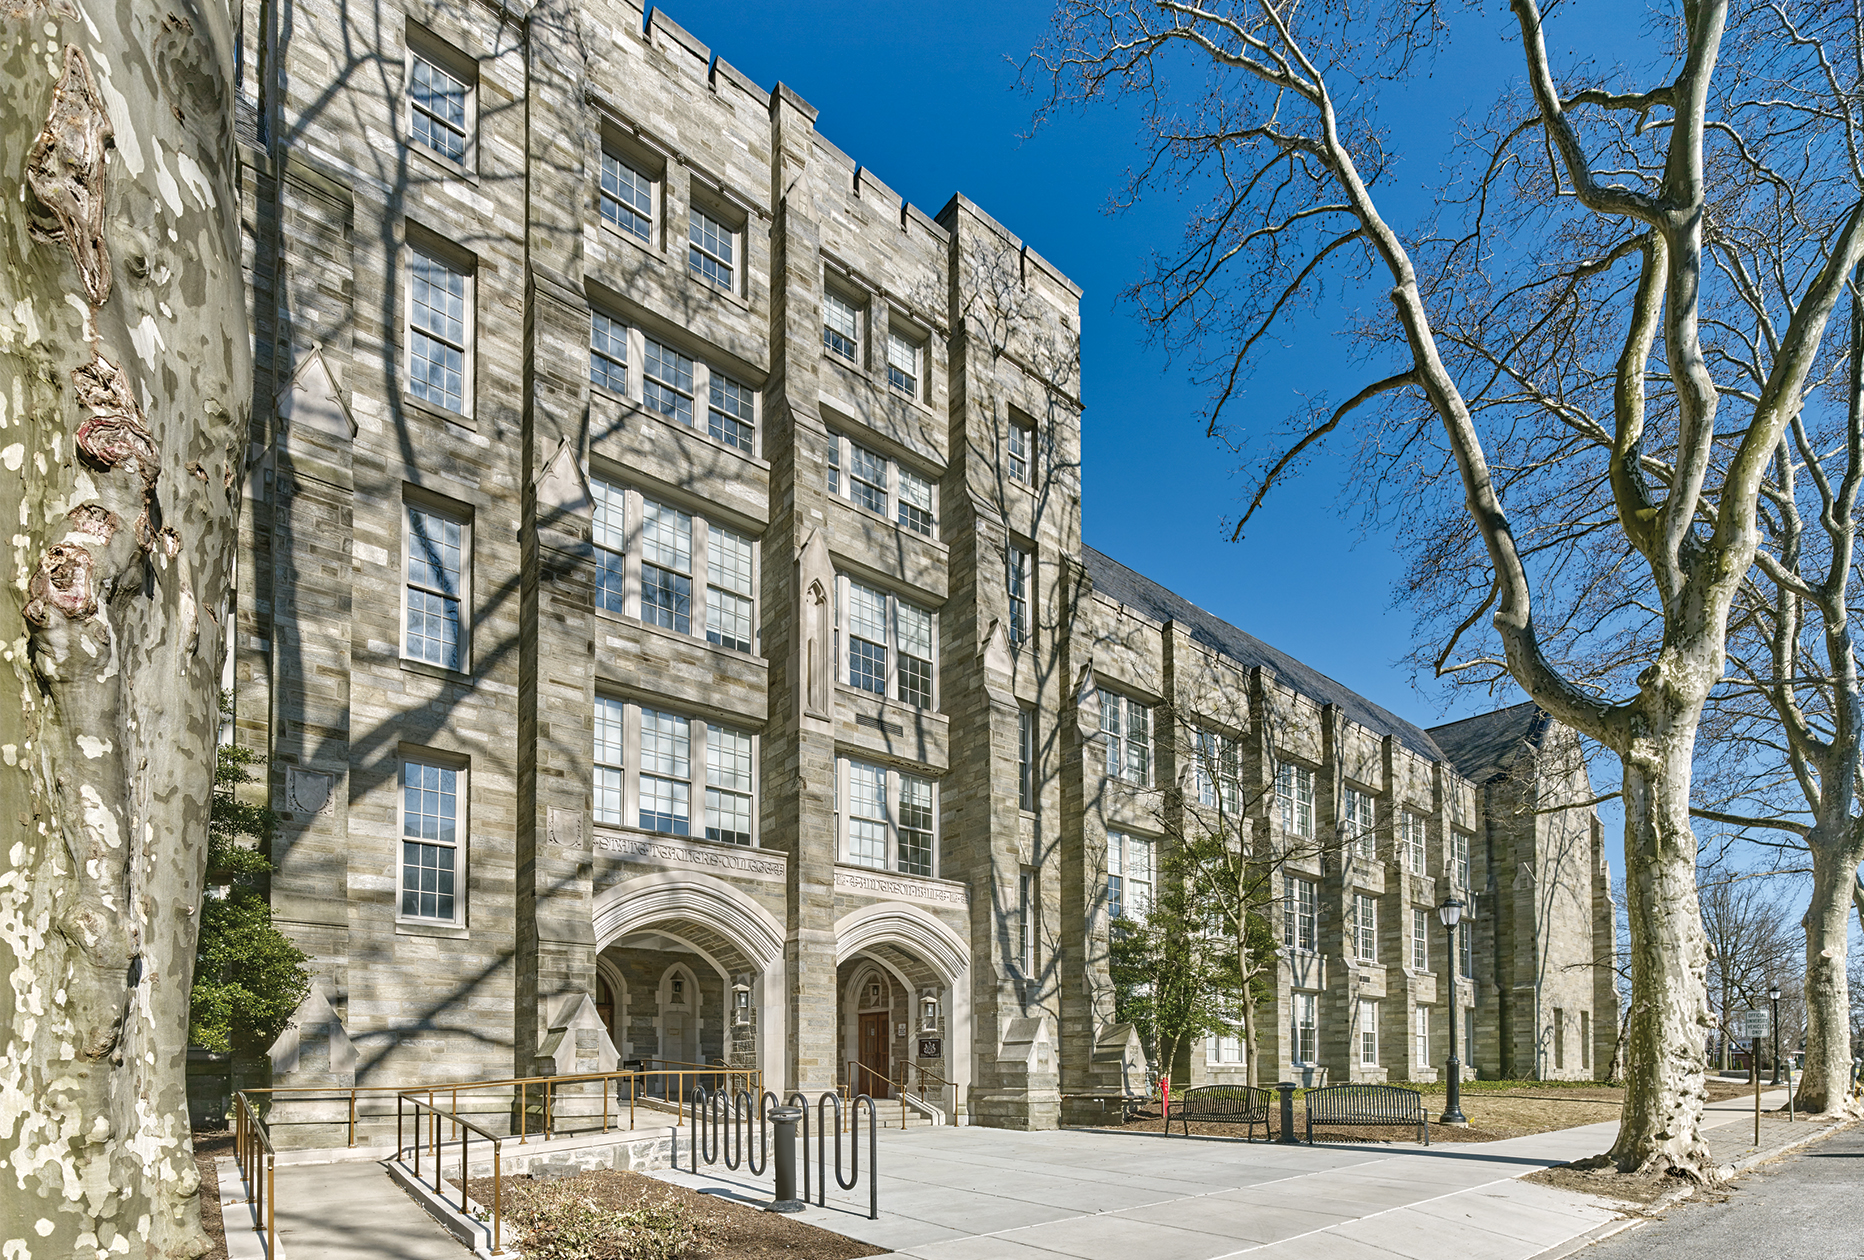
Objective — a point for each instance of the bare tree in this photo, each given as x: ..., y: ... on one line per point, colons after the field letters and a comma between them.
x: 1752, y: 945
x: 1576, y: 295
x: 125, y: 370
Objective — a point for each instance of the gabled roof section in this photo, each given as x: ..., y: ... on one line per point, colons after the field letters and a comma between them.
x: 1117, y: 582
x: 1487, y: 746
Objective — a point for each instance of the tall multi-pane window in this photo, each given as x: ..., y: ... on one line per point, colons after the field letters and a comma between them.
x: 713, y: 251
x: 883, y: 486
x: 915, y: 830
x: 1020, y: 440
x: 1017, y: 562
x: 1026, y: 758
x: 1129, y: 875
x: 438, y: 104
x: 916, y: 511
x: 902, y: 363
x: 627, y: 198
x: 1216, y: 773
x: 1356, y: 826
x: 1365, y: 927
x: 609, y: 756
x: 881, y: 630
x: 1466, y: 949
x: 1411, y: 841
x: 915, y: 637
x: 610, y: 535
x: 1300, y: 924
x: 436, y: 583
x: 666, y: 567
x: 429, y: 840
x: 867, y: 639
x: 1420, y: 939
x: 1025, y: 922
x: 841, y: 326
x: 867, y: 478
x: 1127, y: 724
x: 667, y: 386
x: 608, y: 352
x: 439, y: 328
x: 727, y: 785
x: 867, y: 815
x: 666, y: 773
x: 1306, y: 1031
x: 732, y: 417
x: 1459, y: 854
x: 1422, y: 1023
x: 1294, y: 792
x: 728, y: 596
x: 1368, y: 1033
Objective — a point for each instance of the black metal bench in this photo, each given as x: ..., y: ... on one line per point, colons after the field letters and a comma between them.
x: 1222, y: 1104
x: 1365, y: 1106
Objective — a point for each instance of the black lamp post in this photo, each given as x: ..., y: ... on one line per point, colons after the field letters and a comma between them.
x: 1451, y: 912
x: 1773, y: 996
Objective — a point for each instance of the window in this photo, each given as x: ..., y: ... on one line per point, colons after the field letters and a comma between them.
x: 1294, y: 790
x: 1459, y: 854
x: 1305, y: 1039
x: 1559, y: 1039
x: 439, y: 327
x: 841, y: 326
x: 610, y: 744
x: 1422, y: 1023
x: 627, y: 197
x: 728, y: 785
x: 608, y: 352
x: 1414, y: 853
x: 1227, y: 1049
x: 1300, y: 928
x: 1585, y: 1039
x: 1025, y: 922
x: 1356, y: 826
x: 666, y: 567
x: 883, y: 486
x: 666, y: 773
x: 668, y: 387
x: 713, y: 251
x: 903, y: 363
x: 1129, y: 875
x: 732, y: 418
x: 429, y: 840
x: 1127, y: 724
x: 880, y: 628
x: 1021, y: 438
x: 891, y: 819
x: 1420, y: 939
x: 1215, y: 773
x: 437, y: 549
x: 1025, y: 758
x: 729, y: 603
x: 439, y: 107
x: 1466, y: 947
x: 1018, y: 584
x: 1368, y: 1033
x: 1365, y: 927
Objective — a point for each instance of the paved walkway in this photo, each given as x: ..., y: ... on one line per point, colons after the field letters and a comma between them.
x: 981, y: 1194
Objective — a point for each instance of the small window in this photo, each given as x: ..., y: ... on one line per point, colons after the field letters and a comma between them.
x: 714, y: 250
x: 430, y: 841
x: 610, y: 536
x: 732, y: 417
x: 608, y: 352
x: 1215, y: 772
x: 1356, y: 826
x: 666, y: 773
x: 1368, y: 1033
x: 1025, y: 922
x: 1127, y: 724
x: 1300, y: 925
x: 1411, y: 837
x: 439, y: 331
x: 1459, y: 852
x: 1422, y: 1019
x: 841, y: 326
x: 728, y: 785
x: 1306, y: 1038
x: 1365, y: 927
x: 610, y: 760
x: 867, y: 639
x: 867, y: 477
x: 668, y: 387
x: 438, y: 552
x: 1294, y: 792
x: 440, y: 100
x: 915, y: 502
x: 1466, y: 944
x: 1017, y: 565
x: 666, y: 567
x: 627, y: 197
x: 1129, y: 875
x: 1420, y: 939
x: 1026, y: 758
x: 1022, y: 438
x: 903, y: 360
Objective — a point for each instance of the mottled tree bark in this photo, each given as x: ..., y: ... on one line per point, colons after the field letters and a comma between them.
x: 1825, y: 1087
x: 125, y: 368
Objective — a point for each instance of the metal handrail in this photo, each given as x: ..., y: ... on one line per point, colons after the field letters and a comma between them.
x: 901, y: 1090
x: 252, y: 1147
x: 465, y: 1127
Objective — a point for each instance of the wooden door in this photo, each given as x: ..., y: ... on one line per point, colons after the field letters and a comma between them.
x: 874, y: 1060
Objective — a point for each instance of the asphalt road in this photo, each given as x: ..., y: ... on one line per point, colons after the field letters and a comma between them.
x: 1805, y: 1206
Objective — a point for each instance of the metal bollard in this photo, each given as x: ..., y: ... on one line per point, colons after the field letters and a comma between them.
x: 1287, y: 1089
x: 785, y: 1119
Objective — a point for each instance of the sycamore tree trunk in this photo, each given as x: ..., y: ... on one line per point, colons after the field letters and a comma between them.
x: 125, y: 370
x: 1835, y: 852
x: 1669, y: 1017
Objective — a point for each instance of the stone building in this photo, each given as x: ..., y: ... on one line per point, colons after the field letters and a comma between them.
x: 663, y: 607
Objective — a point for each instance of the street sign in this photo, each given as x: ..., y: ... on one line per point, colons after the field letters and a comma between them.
x: 1750, y: 1024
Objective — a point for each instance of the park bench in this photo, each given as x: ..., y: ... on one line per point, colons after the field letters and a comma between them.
x: 1222, y: 1104
x: 1366, y: 1106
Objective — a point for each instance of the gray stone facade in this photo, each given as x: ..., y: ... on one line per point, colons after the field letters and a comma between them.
x: 668, y: 621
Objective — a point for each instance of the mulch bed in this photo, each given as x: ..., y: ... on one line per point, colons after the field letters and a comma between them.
x: 209, y: 1145
x: 728, y: 1230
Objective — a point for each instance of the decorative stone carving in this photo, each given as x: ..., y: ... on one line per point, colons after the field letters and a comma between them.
x: 312, y: 400
x: 308, y: 791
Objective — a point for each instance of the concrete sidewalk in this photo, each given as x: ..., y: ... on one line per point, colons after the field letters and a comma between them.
x: 981, y: 1194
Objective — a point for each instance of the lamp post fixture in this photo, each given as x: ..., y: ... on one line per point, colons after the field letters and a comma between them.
x: 1773, y: 996
x: 1451, y: 912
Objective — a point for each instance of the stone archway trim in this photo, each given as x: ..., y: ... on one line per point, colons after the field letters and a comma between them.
x: 896, y: 922
x: 637, y: 904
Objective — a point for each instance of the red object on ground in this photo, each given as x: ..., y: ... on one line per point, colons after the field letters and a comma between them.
x: 1165, y: 1097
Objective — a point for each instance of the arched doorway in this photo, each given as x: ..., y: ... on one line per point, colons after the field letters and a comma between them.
x: 903, y: 989
x: 681, y: 1020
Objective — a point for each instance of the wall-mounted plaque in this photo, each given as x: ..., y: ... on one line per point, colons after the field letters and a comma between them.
x: 931, y: 1047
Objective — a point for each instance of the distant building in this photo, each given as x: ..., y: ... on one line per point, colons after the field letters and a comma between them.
x: 663, y: 608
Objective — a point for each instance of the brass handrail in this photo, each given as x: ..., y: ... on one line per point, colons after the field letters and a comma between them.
x: 858, y: 1065
x: 252, y: 1149
x: 465, y: 1127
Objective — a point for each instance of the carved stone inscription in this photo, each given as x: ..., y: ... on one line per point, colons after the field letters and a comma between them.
x: 876, y: 884
x: 717, y: 859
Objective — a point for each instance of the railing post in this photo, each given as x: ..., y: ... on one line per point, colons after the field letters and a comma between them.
x: 352, y: 1115
x: 498, y: 1189
x: 271, y: 1198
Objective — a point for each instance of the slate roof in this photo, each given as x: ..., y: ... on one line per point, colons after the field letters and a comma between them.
x: 1121, y: 584
x: 1485, y: 746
